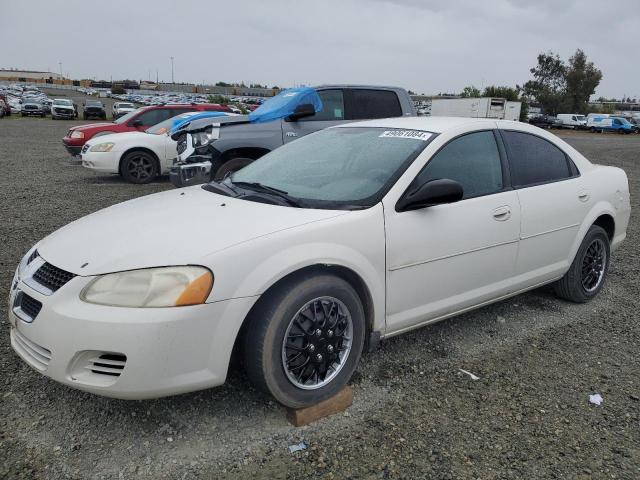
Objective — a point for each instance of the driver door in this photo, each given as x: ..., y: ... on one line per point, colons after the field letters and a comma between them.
x: 445, y: 258
x: 332, y: 114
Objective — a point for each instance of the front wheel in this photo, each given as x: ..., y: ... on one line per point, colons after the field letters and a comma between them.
x: 303, y: 342
x: 587, y: 273
x: 229, y: 167
x: 139, y: 167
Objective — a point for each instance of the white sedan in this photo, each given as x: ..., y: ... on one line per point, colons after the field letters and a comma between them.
x: 138, y: 157
x: 350, y: 235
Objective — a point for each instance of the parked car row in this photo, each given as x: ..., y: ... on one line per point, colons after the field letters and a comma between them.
x: 594, y: 122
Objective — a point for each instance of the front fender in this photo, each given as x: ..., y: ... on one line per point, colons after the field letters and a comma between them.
x: 354, y: 241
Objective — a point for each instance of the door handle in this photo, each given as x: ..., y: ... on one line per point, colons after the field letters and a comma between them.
x: 502, y: 213
x: 583, y: 196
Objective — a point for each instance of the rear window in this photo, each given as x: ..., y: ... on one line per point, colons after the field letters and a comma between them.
x: 534, y: 160
x: 364, y: 104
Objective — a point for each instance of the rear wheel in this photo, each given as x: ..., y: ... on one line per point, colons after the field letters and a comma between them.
x: 304, y: 341
x: 231, y: 166
x: 588, y: 272
x: 139, y: 167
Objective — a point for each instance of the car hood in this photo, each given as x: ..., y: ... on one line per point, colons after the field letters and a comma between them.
x: 93, y: 126
x: 177, y: 227
x: 120, y: 137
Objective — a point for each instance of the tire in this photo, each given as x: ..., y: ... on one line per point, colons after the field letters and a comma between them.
x: 572, y: 286
x: 84, y: 117
x: 274, y: 319
x: 139, y: 167
x: 593, y: 130
x: 230, y: 166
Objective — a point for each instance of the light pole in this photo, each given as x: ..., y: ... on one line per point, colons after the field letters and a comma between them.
x: 60, y: 64
x: 172, y: 79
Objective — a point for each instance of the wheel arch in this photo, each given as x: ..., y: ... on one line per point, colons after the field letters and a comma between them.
x: 345, y: 273
x: 603, y: 215
x: 244, y: 152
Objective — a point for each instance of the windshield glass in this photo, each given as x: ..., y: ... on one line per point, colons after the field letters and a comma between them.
x: 93, y: 103
x: 125, y: 118
x: 338, y: 166
x: 62, y: 102
x: 580, y: 117
x: 165, y: 126
x: 125, y: 105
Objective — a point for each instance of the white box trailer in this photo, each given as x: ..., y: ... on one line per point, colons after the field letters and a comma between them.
x: 487, y: 107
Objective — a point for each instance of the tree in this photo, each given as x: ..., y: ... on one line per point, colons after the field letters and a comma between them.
x: 470, y: 92
x: 582, y: 78
x: 549, y: 83
x: 118, y: 90
x: 221, y: 99
x: 558, y: 86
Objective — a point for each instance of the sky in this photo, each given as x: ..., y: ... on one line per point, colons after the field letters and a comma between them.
x: 423, y: 45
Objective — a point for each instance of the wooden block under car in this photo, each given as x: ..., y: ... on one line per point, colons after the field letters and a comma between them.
x: 299, y: 417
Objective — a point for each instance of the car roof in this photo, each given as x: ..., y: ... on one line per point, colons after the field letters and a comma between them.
x: 427, y: 124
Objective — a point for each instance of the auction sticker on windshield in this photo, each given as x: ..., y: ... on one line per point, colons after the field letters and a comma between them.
x: 413, y: 134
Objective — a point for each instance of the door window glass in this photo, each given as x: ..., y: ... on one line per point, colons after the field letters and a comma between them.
x: 332, y: 107
x: 472, y: 160
x: 534, y: 160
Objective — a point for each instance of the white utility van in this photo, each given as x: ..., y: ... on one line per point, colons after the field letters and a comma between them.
x: 572, y: 120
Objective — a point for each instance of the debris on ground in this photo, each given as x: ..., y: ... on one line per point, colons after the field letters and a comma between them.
x: 298, y: 447
x: 473, y: 377
x: 596, y: 399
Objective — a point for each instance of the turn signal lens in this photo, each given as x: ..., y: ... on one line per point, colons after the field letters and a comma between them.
x: 197, y: 291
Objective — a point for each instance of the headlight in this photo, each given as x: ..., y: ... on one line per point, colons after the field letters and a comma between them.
x: 77, y: 134
x: 202, y: 138
x: 102, y: 147
x: 151, y: 287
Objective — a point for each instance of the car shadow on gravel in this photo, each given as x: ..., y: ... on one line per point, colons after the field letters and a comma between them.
x: 119, y: 181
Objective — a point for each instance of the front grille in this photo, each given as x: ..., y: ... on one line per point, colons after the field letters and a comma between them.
x: 63, y: 111
x: 52, y: 277
x: 34, y: 354
x: 30, y: 107
x: 85, y: 148
x: 30, y: 305
x: 111, y: 364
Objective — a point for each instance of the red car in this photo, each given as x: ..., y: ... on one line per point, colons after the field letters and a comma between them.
x: 139, y: 119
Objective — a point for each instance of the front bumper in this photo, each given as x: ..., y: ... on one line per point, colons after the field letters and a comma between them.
x: 63, y: 113
x: 104, y: 162
x: 74, y: 150
x: 163, y: 351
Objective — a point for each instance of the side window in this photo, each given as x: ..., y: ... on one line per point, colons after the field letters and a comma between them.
x: 617, y: 122
x: 364, y: 104
x: 151, y: 117
x: 178, y: 111
x: 332, y: 107
x: 534, y: 160
x: 473, y: 160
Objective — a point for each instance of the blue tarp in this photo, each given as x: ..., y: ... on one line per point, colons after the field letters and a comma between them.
x: 283, y: 104
x: 181, y: 121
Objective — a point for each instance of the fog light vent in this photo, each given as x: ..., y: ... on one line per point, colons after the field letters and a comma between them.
x: 111, y: 364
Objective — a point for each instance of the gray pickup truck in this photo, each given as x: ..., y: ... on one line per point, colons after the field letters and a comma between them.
x: 209, y: 149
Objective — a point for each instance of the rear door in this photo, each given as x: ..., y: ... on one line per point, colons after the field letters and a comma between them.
x: 333, y: 113
x: 553, y: 200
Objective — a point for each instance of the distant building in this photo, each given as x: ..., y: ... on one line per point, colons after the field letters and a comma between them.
x: 29, y: 76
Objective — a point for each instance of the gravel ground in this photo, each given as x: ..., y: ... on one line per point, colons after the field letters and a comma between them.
x: 414, y: 414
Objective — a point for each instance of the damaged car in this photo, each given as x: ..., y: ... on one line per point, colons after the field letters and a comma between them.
x: 212, y: 149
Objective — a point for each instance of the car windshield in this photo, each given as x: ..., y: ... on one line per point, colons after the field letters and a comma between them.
x: 127, y: 117
x: 580, y: 117
x: 125, y: 105
x: 62, y: 102
x: 165, y: 126
x: 347, y: 167
x: 93, y: 103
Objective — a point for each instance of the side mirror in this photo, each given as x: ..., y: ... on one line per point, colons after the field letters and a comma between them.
x: 301, y: 111
x: 434, y: 192
x: 136, y: 123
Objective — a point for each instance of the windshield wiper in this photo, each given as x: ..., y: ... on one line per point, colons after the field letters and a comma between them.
x: 259, y: 187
